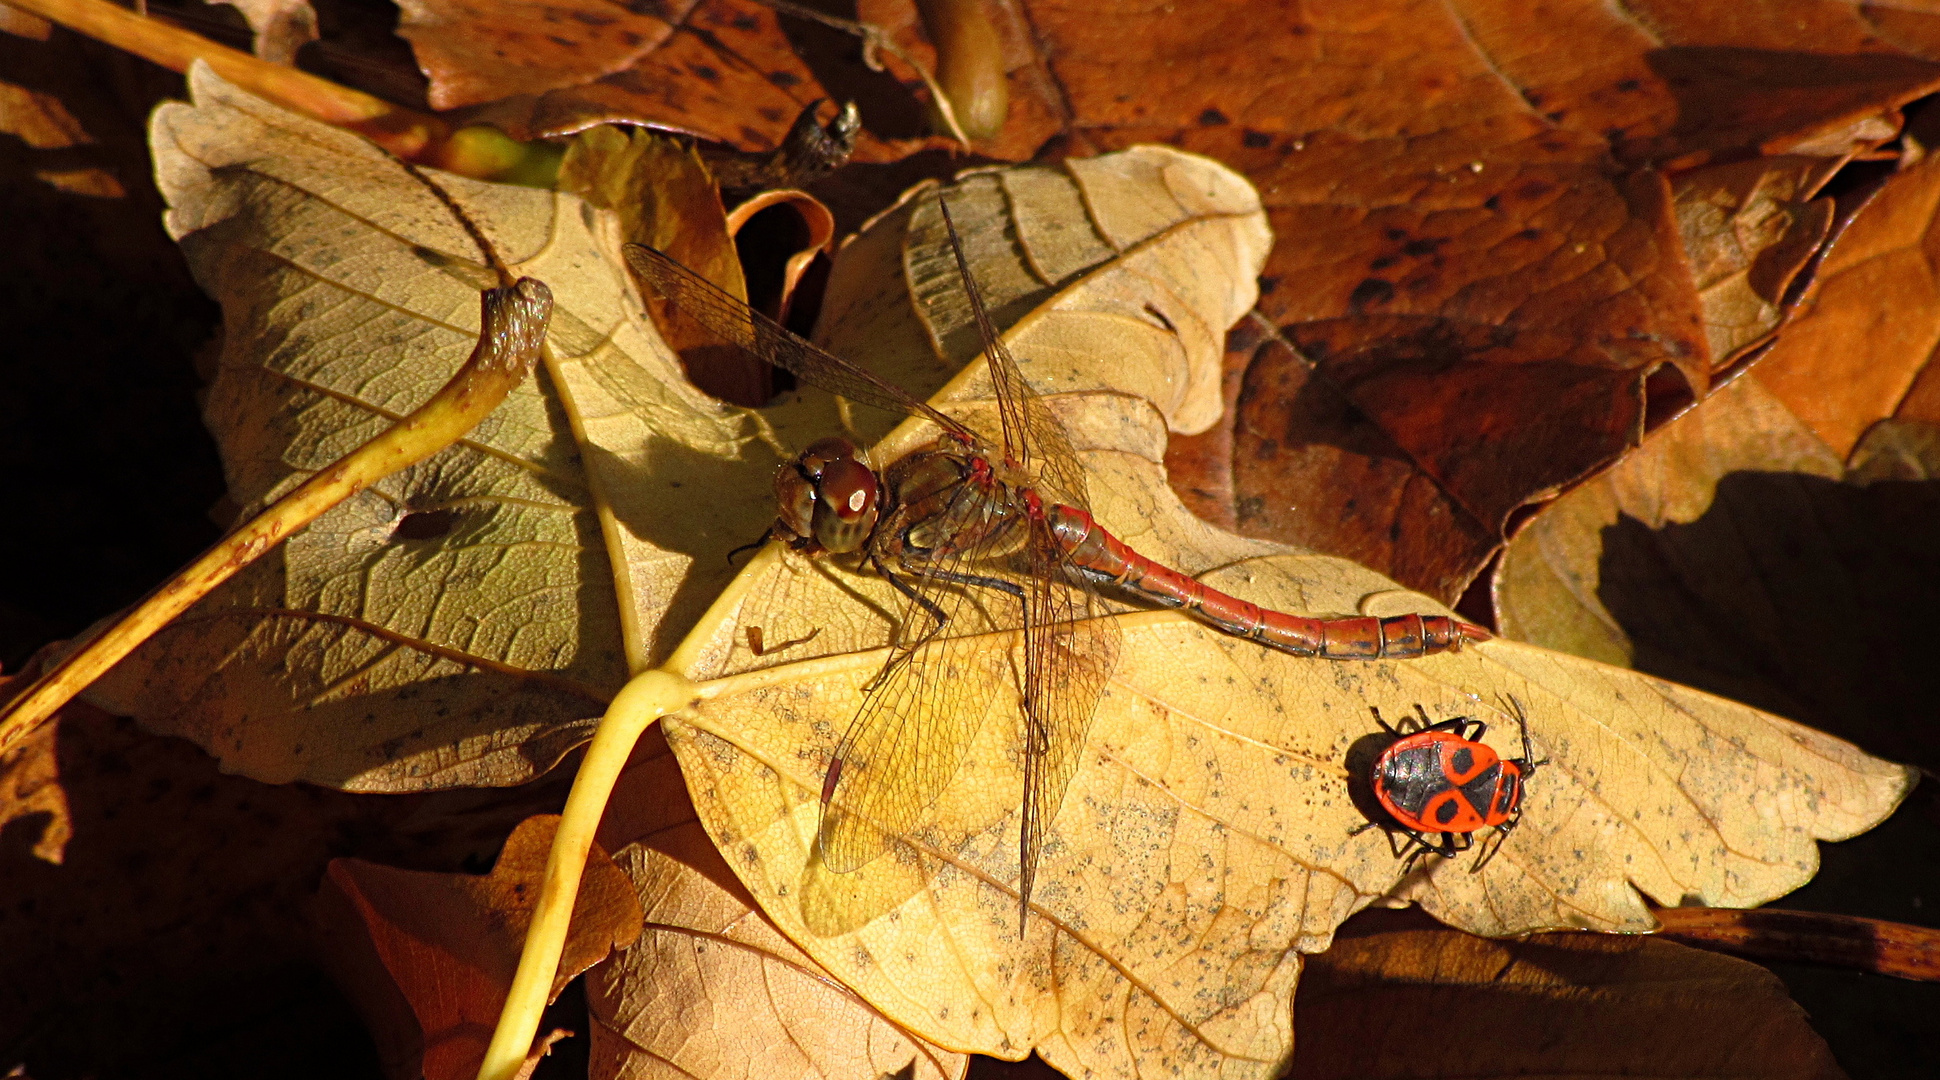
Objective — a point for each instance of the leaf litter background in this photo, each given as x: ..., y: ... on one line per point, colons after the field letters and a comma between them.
x: 1430, y: 190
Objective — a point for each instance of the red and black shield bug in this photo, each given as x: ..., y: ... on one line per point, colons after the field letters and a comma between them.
x: 1437, y: 784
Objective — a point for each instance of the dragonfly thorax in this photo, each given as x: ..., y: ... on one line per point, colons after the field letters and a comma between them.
x: 829, y: 499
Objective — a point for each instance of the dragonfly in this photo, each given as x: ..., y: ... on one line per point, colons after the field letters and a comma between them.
x: 967, y: 528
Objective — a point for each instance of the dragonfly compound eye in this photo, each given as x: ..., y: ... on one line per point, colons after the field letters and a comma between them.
x: 845, y: 505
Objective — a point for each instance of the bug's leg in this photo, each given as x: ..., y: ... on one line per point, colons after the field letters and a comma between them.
x: 938, y: 617
x: 1385, y: 726
x: 1361, y: 828
x: 1414, y: 851
x: 1489, y: 850
x: 1501, y: 837
x: 1401, y: 849
x: 1422, y: 714
x: 751, y: 545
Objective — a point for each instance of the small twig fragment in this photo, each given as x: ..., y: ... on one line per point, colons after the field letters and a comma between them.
x: 1847, y: 941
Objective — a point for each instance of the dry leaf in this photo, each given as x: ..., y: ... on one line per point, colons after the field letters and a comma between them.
x: 1550, y: 588
x: 712, y: 987
x: 1204, y: 845
x: 39, y: 120
x: 42, y: 122
x: 1397, y: 997
x: 1749, y: 227
x: 733, y: 70
x: 1860, y: 348
x: 449, y: 943
x: 459, y: 623
x: 477, y: 52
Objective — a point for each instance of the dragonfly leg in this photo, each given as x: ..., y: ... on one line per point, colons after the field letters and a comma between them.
x: 938, y: 617
x: 751, y: 545
x: 955, y: 578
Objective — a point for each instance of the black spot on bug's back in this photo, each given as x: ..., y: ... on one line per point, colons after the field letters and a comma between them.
x: 1485, y: 791
x: 1446, y: 812
x: 1462, y: 761
x: 1213, y: 117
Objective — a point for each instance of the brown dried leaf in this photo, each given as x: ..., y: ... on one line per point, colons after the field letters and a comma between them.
x: 712, y: 987
x: 731, y: 70
x: 1861, y: 346
x: 1553, y: 1005
x: 449, y: 943
x: 1749, y: 228
x: 480, y: 51
x: 38, y: 119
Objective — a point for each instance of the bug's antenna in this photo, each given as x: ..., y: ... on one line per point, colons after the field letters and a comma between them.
x: 1528, y: 751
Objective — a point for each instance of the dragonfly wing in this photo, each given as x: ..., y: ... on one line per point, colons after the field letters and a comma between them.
x: 1033, y: 438
x: 1069, y: 654
x: 918, y: 721
x: 740, y: 325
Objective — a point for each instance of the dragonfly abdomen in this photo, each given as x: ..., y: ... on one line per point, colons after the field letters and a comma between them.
x: 1096, y: 551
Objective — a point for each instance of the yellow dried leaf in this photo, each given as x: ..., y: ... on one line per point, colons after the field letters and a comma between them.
x: 465, y: 621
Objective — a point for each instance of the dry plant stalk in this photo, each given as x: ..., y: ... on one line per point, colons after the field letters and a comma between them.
x: 404, y: 132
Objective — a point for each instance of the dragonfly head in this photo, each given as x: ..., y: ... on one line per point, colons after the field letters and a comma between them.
x: 828, y: 497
